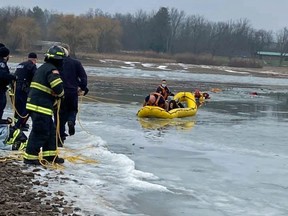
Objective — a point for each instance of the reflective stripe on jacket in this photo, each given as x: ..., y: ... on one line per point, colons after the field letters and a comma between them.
x: 45, y: 87
x: 164, y: 91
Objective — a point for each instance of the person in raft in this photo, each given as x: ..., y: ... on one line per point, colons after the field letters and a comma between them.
x: 164, y: 90
x: 155, y: 99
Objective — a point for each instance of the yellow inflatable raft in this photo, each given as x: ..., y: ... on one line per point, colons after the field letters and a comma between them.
x: 158, y: 112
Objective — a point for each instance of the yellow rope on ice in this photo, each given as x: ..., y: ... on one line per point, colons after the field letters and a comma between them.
x: 79, y: 158
x: 78, y: 116
x: 48, y: 164
x: 12, y: 157
x: 103, y: 99
x: 12, y: 97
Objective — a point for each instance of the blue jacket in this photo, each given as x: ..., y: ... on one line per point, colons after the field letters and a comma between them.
x: 25, y: 71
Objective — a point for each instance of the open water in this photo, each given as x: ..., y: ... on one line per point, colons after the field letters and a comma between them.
x: 231, y: 159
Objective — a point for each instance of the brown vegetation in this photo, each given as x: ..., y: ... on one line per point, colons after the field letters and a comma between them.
x: 166, y: 31
x: 153, y: 57
x: 245, y: 63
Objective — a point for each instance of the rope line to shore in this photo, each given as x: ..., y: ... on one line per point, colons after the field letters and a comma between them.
x: 103, y: 99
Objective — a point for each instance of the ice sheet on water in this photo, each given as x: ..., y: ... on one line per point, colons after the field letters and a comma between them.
x: 232, y: 161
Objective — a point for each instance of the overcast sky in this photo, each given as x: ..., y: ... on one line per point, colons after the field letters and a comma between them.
x: 262, y: 14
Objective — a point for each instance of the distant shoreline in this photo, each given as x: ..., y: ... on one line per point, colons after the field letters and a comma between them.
x: 118, y: 61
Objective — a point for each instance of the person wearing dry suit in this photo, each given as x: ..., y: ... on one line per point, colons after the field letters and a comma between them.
x: 5, y: 77
x: 75, y: 83
x: 45, y: 89
x: 24, y: 74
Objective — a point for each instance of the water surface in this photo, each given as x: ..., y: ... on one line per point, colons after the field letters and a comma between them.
x: 229, y: 159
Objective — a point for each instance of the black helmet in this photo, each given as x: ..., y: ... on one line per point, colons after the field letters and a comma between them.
x: 55, y: 52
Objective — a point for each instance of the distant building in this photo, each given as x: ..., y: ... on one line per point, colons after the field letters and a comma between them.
x: 272, y: 58
x: 271, y: 55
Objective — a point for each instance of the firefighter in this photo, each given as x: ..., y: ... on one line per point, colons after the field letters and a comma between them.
x: 45, y: 89
x: 24, y: 74
x: 5, y: 77
x: 75, y: 82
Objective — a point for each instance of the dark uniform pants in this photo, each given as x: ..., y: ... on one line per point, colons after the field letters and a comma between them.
x: 43, y: 134
x: 68, y: 110
x: 21, y: 95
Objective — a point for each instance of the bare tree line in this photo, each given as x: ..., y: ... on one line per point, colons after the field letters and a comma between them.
x: 165, y: 31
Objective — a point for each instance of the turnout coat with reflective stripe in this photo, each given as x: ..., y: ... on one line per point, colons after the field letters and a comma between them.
x: 45, y: 86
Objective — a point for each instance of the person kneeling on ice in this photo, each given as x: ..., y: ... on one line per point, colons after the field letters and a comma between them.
x: 155, y: 99
x: 11, y: 138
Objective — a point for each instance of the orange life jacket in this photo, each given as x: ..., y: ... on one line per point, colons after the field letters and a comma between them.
x: 164, y: 92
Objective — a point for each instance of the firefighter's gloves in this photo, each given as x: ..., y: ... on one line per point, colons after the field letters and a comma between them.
x: 83, y: 92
